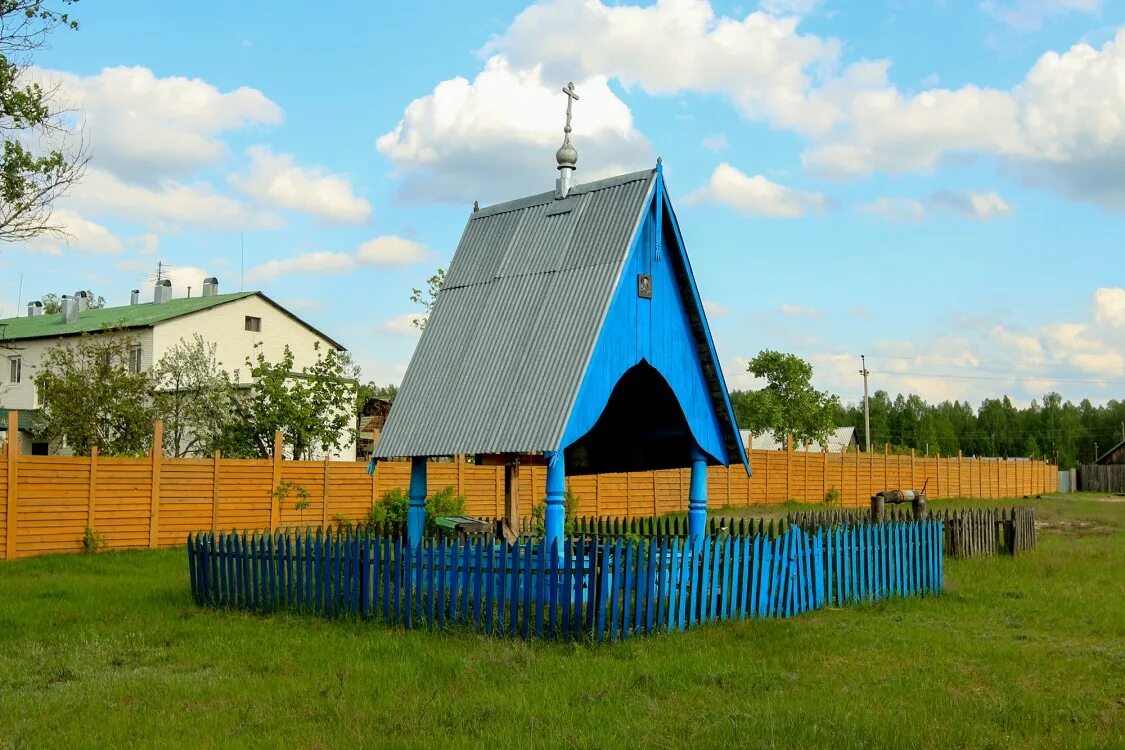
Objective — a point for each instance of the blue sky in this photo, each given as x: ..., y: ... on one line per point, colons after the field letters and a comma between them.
x: 938, y: 184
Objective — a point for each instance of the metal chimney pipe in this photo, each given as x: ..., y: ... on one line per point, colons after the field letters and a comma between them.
x: 34, y: 309
x: 82, y: 301
x: 163, y: 291
x: 69, y: 309
x: 134, y: 296
x: 210, y: 286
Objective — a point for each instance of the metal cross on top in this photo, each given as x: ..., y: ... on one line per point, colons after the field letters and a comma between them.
x: 571, y: 97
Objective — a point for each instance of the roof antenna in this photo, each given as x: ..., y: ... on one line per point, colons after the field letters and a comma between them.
x: 566, y: 156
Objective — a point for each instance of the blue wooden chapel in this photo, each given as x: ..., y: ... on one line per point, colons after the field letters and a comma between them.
x: 569, y: 328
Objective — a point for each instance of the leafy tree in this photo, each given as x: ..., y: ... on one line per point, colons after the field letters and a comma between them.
x: 428, y: 297
x: 313, y: 408
x: 89, y: 396
x: 52, y: 303
x: 194, y: 396
x: 788, y: 404
x: 37, y: 164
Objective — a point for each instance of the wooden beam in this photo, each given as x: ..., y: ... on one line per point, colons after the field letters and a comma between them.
x: 215, y: 458
x: 512, y: 499
x: 93, y: 489
x: 13, y: 451
x: 275, y: 503
x: 157, y: 454
x: 324, y: 504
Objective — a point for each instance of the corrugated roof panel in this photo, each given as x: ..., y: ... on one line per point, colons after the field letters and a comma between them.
x: 503, y: 355
x: 481, y: 249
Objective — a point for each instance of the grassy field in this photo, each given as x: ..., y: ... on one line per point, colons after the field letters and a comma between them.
x: 108, y: 650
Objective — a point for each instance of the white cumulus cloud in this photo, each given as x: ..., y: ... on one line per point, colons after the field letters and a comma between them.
x: 386, y: 251
x: 276, y: 180
x: 144, y: 127
x: 974, y: 205
x: 80, y: 234
x: 391, y: 251
x: 1060, y: 128
x: 760, y: 61
x: 168, y: 204
x: 756, y: 195
x: 494, y: 138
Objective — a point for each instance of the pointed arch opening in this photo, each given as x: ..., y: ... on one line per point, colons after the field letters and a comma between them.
x: 641, y: 428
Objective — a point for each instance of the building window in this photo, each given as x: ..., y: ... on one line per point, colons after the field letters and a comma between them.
x: 134, y: 359
x: 253, y: 324
x: 15, y: 369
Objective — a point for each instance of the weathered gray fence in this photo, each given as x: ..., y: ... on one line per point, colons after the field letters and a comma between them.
x: 1095, y: 478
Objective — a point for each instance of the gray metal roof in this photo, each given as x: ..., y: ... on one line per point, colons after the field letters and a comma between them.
x: 503, y: 354
x: 840, y: 440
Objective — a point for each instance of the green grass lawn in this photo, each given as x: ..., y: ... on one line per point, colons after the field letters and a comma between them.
x: 109, y: 650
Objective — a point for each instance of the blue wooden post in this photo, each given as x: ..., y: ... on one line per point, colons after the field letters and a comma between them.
x: 416, y: 514
x: 554, y: 518
x: 697, y: 496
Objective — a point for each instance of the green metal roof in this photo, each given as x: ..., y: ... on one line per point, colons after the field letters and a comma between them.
x: 26, y: 416
x: 141, y: 315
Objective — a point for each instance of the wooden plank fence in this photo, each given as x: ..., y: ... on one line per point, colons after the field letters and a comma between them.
x: 973, y: 532
x: 154, y: 501
x: 595, y: 589
x: 1101, y: 478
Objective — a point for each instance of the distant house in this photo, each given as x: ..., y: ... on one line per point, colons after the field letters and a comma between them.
x: 233, y: 322
x: 1115, y: 455
x: 842, y: 440
x: 370, y: 425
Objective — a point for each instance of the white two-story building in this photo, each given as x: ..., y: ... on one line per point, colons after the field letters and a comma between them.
x: 235, y: 323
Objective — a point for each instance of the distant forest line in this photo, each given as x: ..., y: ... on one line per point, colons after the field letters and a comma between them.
x: 1049, y: 428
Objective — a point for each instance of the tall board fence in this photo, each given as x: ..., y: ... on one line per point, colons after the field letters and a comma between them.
x: 47, y: 502
x: 1101, y: 478
x: 590, y: 589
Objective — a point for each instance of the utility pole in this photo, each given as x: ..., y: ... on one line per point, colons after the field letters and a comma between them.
x: 866, y: 406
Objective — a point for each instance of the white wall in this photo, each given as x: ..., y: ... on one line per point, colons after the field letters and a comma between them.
x: 32, y: 352
x: 225, y: 326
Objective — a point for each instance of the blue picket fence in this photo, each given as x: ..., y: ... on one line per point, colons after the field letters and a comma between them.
x: 597, y: 589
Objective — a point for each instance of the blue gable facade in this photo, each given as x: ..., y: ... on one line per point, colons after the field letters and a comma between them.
x: 653, y: 384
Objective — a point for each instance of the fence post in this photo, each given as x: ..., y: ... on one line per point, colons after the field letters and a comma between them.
x: 324, y: 504
x: 788, y: 463
x: 960, y: 461
x: 886, y: 466
x: 275, y: 502
x: 857, y: 496
x: 937, y: 476
x: 13, y: 451
x: 154, y: 507
x: 913, y: 481
x: 823, y: 474
x: 215, y: 490
x: 93, y: 489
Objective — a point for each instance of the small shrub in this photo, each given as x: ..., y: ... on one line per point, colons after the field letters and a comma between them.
x: 388, y: 510
x: 281, y: 492
x: 539, y: 515
x: 832, y: 496
x: 93, y: 540
x: 343, y: 523
x: 391, y: 509
x: 443, y: 503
